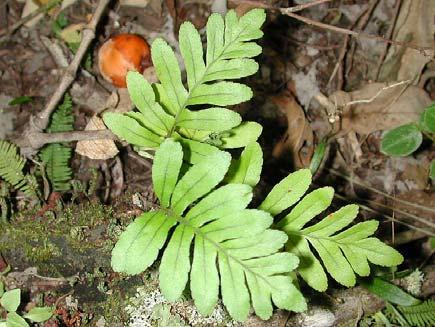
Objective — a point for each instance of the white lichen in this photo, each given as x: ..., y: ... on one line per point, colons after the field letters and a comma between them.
x: 413, y: 282
x: 145, y: 309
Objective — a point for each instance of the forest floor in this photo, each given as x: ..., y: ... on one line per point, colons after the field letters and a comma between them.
x: 331, y: 84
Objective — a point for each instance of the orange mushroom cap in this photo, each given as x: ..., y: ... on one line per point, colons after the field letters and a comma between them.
x: 120, y: 54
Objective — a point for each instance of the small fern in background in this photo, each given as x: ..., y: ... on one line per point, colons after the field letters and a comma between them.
x: 57, y: 156
x: 420, y: 315
x: 11, y: 170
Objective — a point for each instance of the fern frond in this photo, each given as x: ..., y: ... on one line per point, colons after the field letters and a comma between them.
x: 57, y: 156
x: 11, y: 170
x: 165, y: 109
x: 420, y: 315
x: 232, y: 246
x: 62, y: 119
x: 342, y: 252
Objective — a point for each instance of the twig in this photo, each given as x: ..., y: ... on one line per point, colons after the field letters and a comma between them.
x: 259, y: 4
x: 388, y: 36
x: 411, y: 204
x: 361, y: 24
x: 378, y: 93
x: 301, y: 7
x: 9, y: 31
x: 422, y: 220
x: 356, y: 34
x: 387, y: 217
x: 42, y: 119
x: 38, y: 139
x: 39, y: 122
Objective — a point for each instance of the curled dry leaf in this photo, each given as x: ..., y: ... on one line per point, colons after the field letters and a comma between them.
x: 298, y: 139
x: 97, y: 149
x: 379, y: 106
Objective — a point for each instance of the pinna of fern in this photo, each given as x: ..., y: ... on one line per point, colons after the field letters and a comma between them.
x: 233, y: 247
x: 167, y: 109
x: 57, y: 156
x: 11, y: 170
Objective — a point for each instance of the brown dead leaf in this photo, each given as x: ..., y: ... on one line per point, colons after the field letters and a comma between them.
x: 379, y: 106
x: 97, y: 149
x: 414, y: 24
x: 298, y: 139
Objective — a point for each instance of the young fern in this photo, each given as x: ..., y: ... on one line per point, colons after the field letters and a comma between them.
x: 233, y: 246
x: 57, y: 156
x: 419, y: 315
x: 11, y: 170
x: 167, y: 109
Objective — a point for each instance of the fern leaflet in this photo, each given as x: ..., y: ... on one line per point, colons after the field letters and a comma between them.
x: 11, y: 170
x: 56, y: 156
x: 233, y: 246
x: 342, y: 253
x: 419, y: 315
x: 165, y: 109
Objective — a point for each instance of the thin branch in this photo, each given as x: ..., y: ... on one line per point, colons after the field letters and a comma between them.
x: 411, y: 204
x: 388, y: 36
x: 37, y: 140
x: 41, y: 121
x: 259, y: 4
x: 378, y: 93
x: 9, y: 31
x: 385, y: 216
x: 356, y: 34
x: 301, y: 7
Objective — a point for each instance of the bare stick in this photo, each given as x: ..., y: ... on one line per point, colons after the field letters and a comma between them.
x: 361, y: 24
x: 40, y: 121
x: 411, y: 204
x: 378, y: 93
x: 259, y: 4
x: 38, y: 139
x: 8, y: 31
x: 389, y: 34
x: 302, y: 6
x: 356, y: 34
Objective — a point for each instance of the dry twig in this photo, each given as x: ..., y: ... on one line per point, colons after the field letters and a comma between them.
x: 39, y: 122
x: 423, y: 50
x: 36, y: 140
x: 388, y: 35
x: 7, y: 32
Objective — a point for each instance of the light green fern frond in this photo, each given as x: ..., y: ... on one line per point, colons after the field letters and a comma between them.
x: 167, y: 109
x: 232, y: 246
x: 11, y: 170
x: 57, y: 156
x: 343, y: 252
x: 420, y: 315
